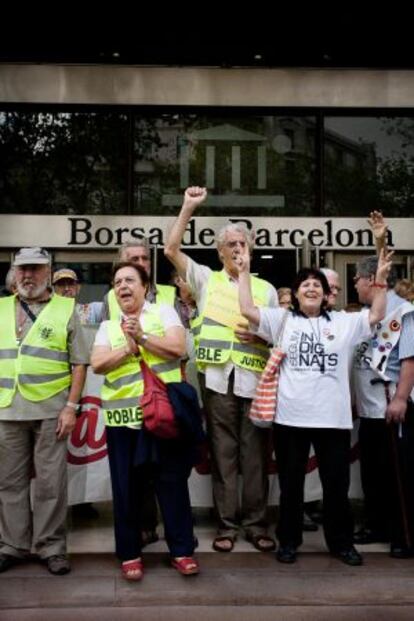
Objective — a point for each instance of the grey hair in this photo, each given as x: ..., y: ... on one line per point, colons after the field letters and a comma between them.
x: 368, y: 267
x: 235, y: 227
x: 10, y: 282
x: 141, y: 242
x: 328, y: 272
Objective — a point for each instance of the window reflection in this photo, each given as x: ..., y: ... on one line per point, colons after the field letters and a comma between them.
x: 256, y: 165
x: 63, y: 162
x: 369, y: 165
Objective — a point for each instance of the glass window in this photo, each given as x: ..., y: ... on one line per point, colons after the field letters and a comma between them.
x: 252, y: 165
x: 63, y: 162
x: 369, y: 165
x: 94, y: 278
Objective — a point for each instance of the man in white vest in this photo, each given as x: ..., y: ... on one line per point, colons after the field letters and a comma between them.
x: 42, y: 358
x: 230, y: 361
x: 383, y: 380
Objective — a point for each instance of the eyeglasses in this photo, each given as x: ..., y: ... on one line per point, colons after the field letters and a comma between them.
x: 335, y: 288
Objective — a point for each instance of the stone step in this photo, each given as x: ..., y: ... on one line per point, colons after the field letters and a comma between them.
x: 216, y: 613
x: 228, y: 582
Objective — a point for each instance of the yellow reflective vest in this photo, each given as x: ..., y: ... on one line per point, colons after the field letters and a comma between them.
x: 124, y: 385
x: 39, y: 368
x: 165, y: 294
x: 217, y: 343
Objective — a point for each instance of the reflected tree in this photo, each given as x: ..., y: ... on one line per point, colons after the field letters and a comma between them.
x: 54, y: 162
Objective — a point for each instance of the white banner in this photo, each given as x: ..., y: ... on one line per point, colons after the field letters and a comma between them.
x: 89, y: 479
x: 109, y: 232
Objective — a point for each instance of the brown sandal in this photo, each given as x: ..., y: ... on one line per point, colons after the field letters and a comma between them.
x: 263, y: 543
x: 228, y: 542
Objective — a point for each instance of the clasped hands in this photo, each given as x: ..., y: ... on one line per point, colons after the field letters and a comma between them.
x: 133, y: 331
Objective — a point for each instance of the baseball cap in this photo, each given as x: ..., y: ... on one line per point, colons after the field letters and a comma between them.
x: 65, y: 272
x: 31, y: 256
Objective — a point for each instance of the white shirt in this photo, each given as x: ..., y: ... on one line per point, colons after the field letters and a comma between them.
x: 217, y: 375
x: 314, y: 379
x: 168, y: 316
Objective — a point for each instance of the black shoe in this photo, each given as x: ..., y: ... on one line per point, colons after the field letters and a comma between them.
x: 349, y: 556
x: 308, y: 524
x: 401, y: 551
x: 286, y: 554
x: 365, y: 536
x: 7, y: 561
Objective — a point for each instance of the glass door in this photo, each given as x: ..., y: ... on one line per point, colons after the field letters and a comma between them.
x: 345, y: 265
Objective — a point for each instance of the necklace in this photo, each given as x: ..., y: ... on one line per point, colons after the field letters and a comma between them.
x: 22, y: 317
x: 317, y: 335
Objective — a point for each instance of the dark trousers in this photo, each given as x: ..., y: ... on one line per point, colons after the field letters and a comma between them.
x: 332, y: 450
x: 130, y: 485
x: 387, y: 476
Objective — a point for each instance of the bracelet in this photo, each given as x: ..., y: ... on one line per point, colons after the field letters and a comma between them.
x: 143, y: 339
x: 380, y: 285
x: 73, y: 405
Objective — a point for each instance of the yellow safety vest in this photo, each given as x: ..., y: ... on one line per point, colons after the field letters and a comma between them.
x: 217, y: 343
x: 39, y: 368
x: 124, y: 385
x: 165, y: 294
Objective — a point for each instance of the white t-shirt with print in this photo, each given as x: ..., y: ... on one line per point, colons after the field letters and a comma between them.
x: 314, y: 379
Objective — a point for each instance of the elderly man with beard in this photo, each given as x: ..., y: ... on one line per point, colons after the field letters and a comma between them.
x: 42, y: 358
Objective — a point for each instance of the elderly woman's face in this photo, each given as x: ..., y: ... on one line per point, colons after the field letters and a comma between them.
x: 129, y: 290
x: 310, y: 296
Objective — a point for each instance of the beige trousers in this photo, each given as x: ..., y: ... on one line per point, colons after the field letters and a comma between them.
x: 237, y: 447
x: 32, y: 522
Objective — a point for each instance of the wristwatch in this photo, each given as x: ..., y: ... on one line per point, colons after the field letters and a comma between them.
x: 73, y: 405
x: 143, y: 339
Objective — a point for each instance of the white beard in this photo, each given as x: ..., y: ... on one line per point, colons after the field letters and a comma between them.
x: 27, y: 293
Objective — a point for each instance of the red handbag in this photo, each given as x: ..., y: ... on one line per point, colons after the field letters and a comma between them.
x: 158, y: 414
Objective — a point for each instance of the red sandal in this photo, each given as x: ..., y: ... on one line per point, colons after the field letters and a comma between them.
x: 185, y: 565
x: 132, y: 570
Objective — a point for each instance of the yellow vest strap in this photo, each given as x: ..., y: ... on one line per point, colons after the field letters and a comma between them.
x: 123, y: 381
x: 6, y: 383
x: 47, y: 354
x: 211, y: 322
x: 245, y: 348
x: 8, y: 354
x: 215, y: 344
x: 163, y: 367
x: 120, y: 403
x: 40, y: 379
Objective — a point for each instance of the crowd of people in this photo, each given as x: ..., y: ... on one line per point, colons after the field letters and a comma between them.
x: 221, y: 325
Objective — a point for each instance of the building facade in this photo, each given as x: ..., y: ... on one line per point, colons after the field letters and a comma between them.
x: 92, y: 155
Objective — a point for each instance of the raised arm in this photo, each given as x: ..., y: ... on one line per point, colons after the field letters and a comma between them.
x: 379, y: 303
x: 379, y: 230
x: 247, y: 306
x: 193, y: 197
